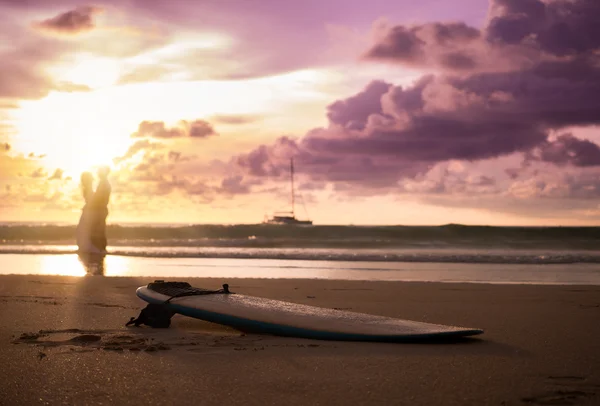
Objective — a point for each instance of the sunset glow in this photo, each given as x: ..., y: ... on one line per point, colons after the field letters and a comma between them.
x: 398, y: 113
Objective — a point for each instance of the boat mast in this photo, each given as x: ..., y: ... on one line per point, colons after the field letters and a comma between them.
x: 292, y: 178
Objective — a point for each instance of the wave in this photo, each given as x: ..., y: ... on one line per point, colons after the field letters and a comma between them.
x: 272, y: 236
x: 348, y: 255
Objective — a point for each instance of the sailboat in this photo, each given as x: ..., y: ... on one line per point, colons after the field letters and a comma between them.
x: 288, y: 218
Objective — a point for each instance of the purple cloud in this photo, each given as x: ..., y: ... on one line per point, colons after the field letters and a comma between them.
x: 234, y: 185
x: 354, y: 111
x: 517, y: 34
x: 200, y: 129
x: 22, y: 73
x: 568, y: 150
x: 74, y: 21
x: 559, y: 28
x: 444, y: 44
x: 385, y: 133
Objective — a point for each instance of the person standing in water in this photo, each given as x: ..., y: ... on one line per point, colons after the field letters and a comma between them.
x: 99, y: 202
x: 84, y: 227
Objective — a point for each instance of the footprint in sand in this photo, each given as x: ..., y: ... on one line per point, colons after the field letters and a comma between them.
x: 85, y: 338
x: 90, y: 339
x: 558, y: 397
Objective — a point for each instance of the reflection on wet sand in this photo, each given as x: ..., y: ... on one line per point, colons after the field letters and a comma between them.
x: 93, y: 264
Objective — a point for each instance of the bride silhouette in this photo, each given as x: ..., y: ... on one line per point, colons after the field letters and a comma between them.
x: 91, y: 230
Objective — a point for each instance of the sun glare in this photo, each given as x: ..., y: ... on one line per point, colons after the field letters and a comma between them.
x: 74, y: 132
x: 82, y: 130
x: 67, y: 265
x: 89, y: 71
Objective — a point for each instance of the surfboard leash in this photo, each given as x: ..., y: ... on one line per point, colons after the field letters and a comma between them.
x: 158, y: 315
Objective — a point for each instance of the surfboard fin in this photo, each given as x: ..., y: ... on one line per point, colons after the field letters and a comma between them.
x: 153, y: 315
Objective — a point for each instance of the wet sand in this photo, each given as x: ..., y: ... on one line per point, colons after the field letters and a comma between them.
x: 63, y: 341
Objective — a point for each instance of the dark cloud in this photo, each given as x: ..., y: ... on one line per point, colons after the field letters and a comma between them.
x: 200, y: 129
x: 561, y: 28
x: 158, y: 129
x: 385, y: 133
x: 517, y: 34
x: 403, y: 133
x: 449, y: 45
x: 74, y: 21
x: 568, y: 150
x: 354, y: 111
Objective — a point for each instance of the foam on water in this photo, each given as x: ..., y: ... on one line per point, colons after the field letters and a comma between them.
x: 412, y: 255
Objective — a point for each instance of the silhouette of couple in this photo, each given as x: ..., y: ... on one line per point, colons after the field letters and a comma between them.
x: 91, y: 230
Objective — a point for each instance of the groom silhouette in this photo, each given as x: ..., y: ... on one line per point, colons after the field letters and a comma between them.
x: 100, y: 204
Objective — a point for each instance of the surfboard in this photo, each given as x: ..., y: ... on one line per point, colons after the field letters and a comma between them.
x: 268, y: 316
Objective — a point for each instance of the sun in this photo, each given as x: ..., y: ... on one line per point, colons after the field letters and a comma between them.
x: 86, y: 70
x: 74, y: 132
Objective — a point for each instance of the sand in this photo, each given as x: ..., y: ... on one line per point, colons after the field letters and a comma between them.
x: 63, y: 341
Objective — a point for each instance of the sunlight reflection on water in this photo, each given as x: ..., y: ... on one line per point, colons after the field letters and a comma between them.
x: 114, y: 265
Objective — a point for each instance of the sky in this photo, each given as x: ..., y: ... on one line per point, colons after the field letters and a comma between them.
x: 394, y: 111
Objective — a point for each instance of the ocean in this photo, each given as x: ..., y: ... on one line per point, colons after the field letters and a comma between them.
x: 429, y: 253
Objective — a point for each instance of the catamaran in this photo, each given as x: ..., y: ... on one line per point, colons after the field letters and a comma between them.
x: 288, y: 218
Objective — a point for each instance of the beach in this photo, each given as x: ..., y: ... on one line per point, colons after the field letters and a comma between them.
x: 63, y: 340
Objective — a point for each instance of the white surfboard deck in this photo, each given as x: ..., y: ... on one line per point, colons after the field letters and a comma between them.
x: 260, y: 315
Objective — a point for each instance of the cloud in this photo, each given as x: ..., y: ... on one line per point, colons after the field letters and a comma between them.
x: 200, y: 129
x: 567, y: 150
x: 145, y: 73
x: 71, y: 22
x: 517, y: 34
x: 22, y: 73
x: 449, y: 45
x: 354, y: 111
x: 568, y: 185
x: 57, y: 175
x: 234, y: 185
x: 560, y: 28
x: 38, y: 173
x: 28, y: 61
x: 25, y: 64
x: 508, y: 102
x: 68, y: 87
x: 234, y: 119
x: 31, y: 155
x: 158, y: 129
